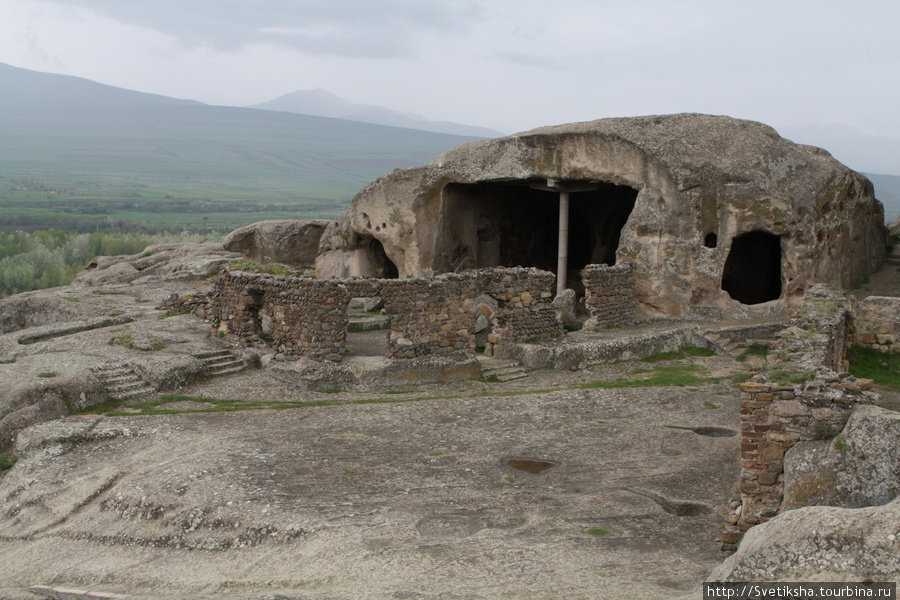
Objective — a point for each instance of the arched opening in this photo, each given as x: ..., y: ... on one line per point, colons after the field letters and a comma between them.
x: 752, y: 273
x: 711, y: 240
x: 374, y: 262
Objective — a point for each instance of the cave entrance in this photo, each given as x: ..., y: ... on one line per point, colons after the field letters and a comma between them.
x: 752, y: 273
x: 374, y: 261
x: 516, y: 223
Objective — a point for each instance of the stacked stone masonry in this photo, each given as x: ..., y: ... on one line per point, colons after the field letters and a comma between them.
x: 876, y: 324
x: 428, y: 315
x: 609, y: 294
x: 803, y: 394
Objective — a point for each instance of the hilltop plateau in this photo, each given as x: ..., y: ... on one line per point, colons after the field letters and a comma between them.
x: 220, y: 479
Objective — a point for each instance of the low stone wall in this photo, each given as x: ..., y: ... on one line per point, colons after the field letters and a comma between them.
x: 428, y: 315
x: 309, y: 316
x: 803, y: 394
x: 609, y: 294
x: 876, y: 324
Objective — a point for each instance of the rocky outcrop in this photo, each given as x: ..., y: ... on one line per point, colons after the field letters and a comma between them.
x: 721, y: 217
x: 164, y: 261
x: 858, y: 468
x: 41, y: 308
x: 287, y: 241
x: 894, y: 227
x: 820, y: 543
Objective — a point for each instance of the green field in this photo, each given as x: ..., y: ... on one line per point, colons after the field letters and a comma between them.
x: 77, y: 155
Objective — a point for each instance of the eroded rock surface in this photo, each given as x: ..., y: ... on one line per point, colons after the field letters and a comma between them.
x: 820, y: 543
x: 860, y: 467
x: 288, y: 241
x: 720, y: 216
x: 163, y: 262
x: 377, y: 501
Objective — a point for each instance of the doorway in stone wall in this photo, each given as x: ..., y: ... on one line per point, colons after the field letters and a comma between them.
x: 752, y: 272
x: 368, y: 328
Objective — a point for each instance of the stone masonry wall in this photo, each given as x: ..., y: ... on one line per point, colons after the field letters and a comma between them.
x: 609, y: 294
x: 802, y: 394
x: 876, y: 324
x: 309, y: 316
x: 429, y: 315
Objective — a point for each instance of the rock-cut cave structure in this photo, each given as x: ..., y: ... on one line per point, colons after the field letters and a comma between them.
x: 722, y: 218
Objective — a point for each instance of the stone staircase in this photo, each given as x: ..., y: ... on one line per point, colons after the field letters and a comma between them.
x: 735, y: 341
x: 221, y: 362
x: 495, y: 369
x: 122, y: 383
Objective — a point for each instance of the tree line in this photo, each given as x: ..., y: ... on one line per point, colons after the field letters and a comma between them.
x: 50, y: 258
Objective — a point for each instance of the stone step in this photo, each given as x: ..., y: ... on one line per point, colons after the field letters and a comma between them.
x: 228, y: 371
x: 212, y: 354
x: 221, y: 362
x: 127, y: 386
x: 511, y: 376
x: 493, y: 369
x: 120, y: 378
x: 222, y: 366
x: 122, y: 382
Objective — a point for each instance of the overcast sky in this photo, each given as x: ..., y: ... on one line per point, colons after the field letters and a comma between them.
x: 506, y: 64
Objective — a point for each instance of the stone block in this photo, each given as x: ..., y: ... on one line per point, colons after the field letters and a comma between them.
x: 767, y: 478
x: 789, y: 408
x: 770, y: 451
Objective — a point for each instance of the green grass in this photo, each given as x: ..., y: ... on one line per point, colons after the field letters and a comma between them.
x: 782, y: 374
x: 661, y: 375
x: 869, y: 363
x: 753, y: 350
x: 697, y: 351
x: 125, y: 340
x: 113, y: 408
x: 597, y: 532
x: 7, y: 460
x: 661, y: 356
x: 184, y: 166
x: 678, y: 354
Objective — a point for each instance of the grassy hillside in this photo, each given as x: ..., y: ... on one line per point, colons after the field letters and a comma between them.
x: 75, y: 154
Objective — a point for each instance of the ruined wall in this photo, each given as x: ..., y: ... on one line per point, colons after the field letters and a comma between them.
x: 876, y: 324
x: 802, y: 394
x: 609, y: 294
x: 309, y: 316
x: 429, y: 315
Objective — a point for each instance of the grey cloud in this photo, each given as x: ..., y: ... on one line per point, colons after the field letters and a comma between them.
x: 383, y: 29
x: 529, y: 60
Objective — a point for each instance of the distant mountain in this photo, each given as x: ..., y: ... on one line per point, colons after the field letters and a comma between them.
x: 887, y: 189
x: 323, y: 103
x: 861, y: 152
x: 67, y: 143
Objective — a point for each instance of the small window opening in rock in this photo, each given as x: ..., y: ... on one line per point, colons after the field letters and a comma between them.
x: 752, y: 273
x: 711, y: 240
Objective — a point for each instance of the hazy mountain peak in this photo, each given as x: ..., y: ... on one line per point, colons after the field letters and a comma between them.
x: 322, y: 103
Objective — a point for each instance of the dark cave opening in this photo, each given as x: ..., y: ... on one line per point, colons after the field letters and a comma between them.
x: 382, y: 266
x: 752, y: 273
x: 510, y: 223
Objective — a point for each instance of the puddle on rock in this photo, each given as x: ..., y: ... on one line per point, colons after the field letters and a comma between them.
x: 707, y: 431
x: 530, y: 465
x: 682, y: 508
x: 714, y: 431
